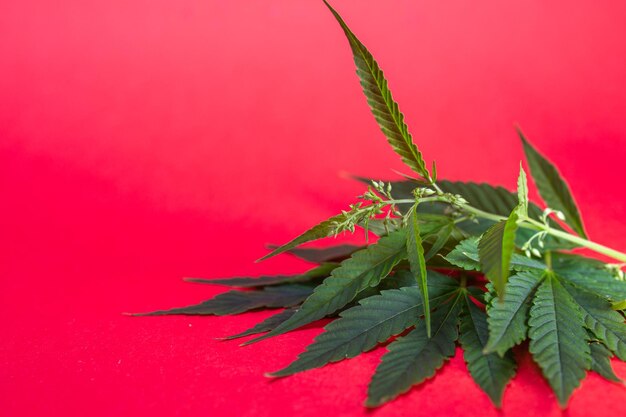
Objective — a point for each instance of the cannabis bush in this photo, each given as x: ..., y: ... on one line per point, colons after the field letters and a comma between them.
x: 454, y: 262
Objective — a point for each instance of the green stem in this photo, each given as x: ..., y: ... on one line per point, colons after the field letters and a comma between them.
x: 437, y: 189
x: 483, y: 214
x: 413, y: 201
x: 548, y: 259
x: 528, y: 223
x: 596, y: 247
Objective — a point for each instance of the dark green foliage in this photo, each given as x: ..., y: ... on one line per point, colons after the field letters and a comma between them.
x: 366, y: 268
x: 235, y: 302
x: 605, y: 324
x: 558, y: 338
x: 490, y: 371
x: 322, y: 255
x: 601, y: 362
x: 495, y: 250
x: 266, y: 325
x: 591, y: 277
x: 415, y: 252
x: 423, y: 281
x: 508, y: 318
x: 552, y: 186
x: 321, y: 271
x: 374, y: 320
x: 384, y: 108
x: 465, y: 255
x: 415, y: 357
x: 323, y: 229
x: 485, y: 197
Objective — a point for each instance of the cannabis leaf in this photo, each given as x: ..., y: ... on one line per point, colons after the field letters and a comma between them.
x: 415, y: 252
x: 557, y: 338
x: 415, y: 357
x: 490, y: 371
x: 605, y: 323
x: 266, y: 325
x: 322, y: 255
x: 442, y: 236
x: 465, y: 255
x: 364, y: 269
x: 318, y: 272
x: 522, y: 192
x: 485, y: 197
x: 552, y: 188
x: 375, y: 320
x: 507, y: 320
x: 324, y: 229
x: 495, y: 250
x: 235, y: 302
x: 601, y: 362
x: 563, y: 302
x: 384, y: 108
x: 590, y: 276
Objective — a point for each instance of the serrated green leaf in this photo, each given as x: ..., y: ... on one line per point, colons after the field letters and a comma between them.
x: 333, y: 254
x: 557, y: 338
x: 589, y: 275
x: 522, y: 192
x: 266, y: 325
x: 552, y: 187
x: 415, y: 357
x: 375, y: 320
x: 605, y: 323
x: 235, y: 302
x: 324, y: 229
x: 490, y: 295
x: 321, y: 271
x: 601, y: 362
x: 491, y: 372
x: 400, y: 278
x: 507, y: 320
x: 415, y: 252
x: 441, y: 238
x: 380, y: 227
x: 384, y: 108
x: 495, y: 250
x: 364, y: 269
x: 465, y: 255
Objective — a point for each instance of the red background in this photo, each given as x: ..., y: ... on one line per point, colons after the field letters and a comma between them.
x: 144, y: 141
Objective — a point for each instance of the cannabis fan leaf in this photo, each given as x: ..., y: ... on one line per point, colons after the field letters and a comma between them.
x: 507, y: 320
x: 413, y: 358
x: 490, y: 371
x: 450, y: 263
x: 557, y: 337
x: 552, y: 187
x: 375, y: 320
x: 366, y: 268
x: 384, y: 108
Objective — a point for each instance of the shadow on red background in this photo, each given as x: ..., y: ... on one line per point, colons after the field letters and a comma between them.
x: 145, y: 141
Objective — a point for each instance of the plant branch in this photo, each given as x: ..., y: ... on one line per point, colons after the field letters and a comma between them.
x: 524, y: 222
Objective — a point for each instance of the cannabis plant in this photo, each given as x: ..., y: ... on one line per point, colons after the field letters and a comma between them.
x: 453, y: 262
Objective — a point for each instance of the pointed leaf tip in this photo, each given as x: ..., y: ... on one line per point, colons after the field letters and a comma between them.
x: 383, y: 107
x: 417, y: 262
x: 495, y: 250
x: 364, y: 269
x: 552, y: 187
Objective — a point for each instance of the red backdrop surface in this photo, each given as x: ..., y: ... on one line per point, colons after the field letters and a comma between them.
x: 144, y: 141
